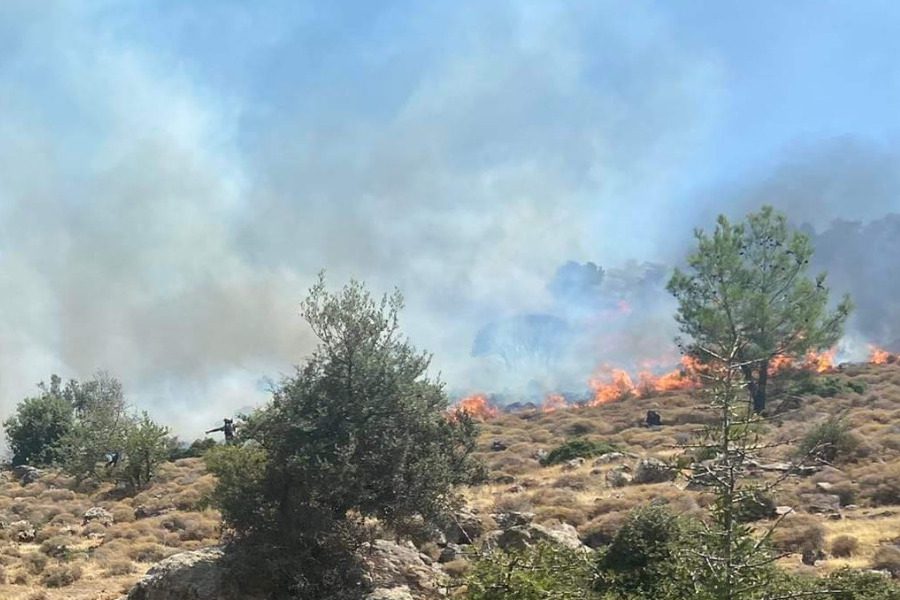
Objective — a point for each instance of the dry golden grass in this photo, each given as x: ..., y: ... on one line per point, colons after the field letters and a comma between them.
x: 93, y: 561
x: 868, y: 478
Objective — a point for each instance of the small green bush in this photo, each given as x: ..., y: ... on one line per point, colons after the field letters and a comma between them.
x: 648, y: 557
x: 543, y: 571
x: 850, y: 584
x: 577, y: 448
x: 828, y: 441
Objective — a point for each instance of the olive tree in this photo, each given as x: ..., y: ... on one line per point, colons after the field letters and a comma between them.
x: 360, y: 431
x: 748, y: 282
x: 38, y: 426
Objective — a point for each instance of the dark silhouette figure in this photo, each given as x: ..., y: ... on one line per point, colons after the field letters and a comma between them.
x: 227, y: 429
x: 113, y: 460
x: 653, y: 419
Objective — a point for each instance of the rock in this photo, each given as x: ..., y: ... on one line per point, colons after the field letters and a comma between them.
x: 449, y: 553
x: 822, y: 503
x: 783, y: 510
x: 652, y: 470
x: 464, y: 527
x: 143, y: 511
x: 498, y: 446
x: 513, y: 519
x: 571, y: 465
x: 397, y: 593
x: 653, y: 419
x: 26, y: 474
x: 824, y: 486
x: 97, y: 514
x: 23, y: 531
x: 196, y: 575
x: 607, y: 458
x: 540, y: 455
x: 809, y: 557
x: 618, y: 478
x: 390, y: 565
x: 521, y: 537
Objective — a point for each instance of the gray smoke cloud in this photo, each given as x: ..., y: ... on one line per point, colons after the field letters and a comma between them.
x: 164, y: 229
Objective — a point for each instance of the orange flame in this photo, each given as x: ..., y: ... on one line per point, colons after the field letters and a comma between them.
x: 610, y: 385
x: 553, y: 402
x: 820, y: 362
x: 477, y: 407
x: 879, y: 356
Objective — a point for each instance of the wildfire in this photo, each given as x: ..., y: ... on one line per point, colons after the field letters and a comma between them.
x: 477, y: 407
x: 879, y: 356
x: 820, y: 362
x: 610, y: 385
x: 553, y: 402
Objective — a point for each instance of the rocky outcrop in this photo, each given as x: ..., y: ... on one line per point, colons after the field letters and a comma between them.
x: 393, y: 572
x: 26, y: 474
x: 653, y: 470
x: 97, y: 514
x: 391, y: 566
x: 197, y: 575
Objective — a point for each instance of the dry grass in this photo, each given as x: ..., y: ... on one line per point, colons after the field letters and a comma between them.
x: 866, y: 482
x: 71, y: 560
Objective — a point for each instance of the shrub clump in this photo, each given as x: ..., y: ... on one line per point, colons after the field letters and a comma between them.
x: 844, y: 546
x: 828, y: 441
x: 577, y: 448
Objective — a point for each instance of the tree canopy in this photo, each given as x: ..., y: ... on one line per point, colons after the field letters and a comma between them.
x: 360, y: 430
x: 747, y: 284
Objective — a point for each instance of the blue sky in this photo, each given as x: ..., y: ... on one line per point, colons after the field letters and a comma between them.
x: 173, y: 174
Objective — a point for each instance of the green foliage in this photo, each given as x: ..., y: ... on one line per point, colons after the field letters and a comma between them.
x: 850, y: 584
x: 359, y: 431
x: 145, y: 448
x: 35, y: 431
x: 577, y: 448
x: 100, y: 426
x: 542, y: 572
x: 828, y: 441
x: 177, y: 450
x: 648, y: 558
x: 811, y: 384
x: 754, y: 506
x: 748, y: 280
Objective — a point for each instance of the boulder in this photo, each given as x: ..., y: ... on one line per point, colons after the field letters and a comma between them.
x: 521, y: 537
x: 450, y: 552
x: 618, y: 478
x: 98, y: 515
x: 513, y: 519
x: 390, y: 565
x: 195, y: 575
x: 571, y: 465
x: 26, y: 474
x: 609, y: 457
x: 397, y: 593
x: 822, y: 503
x: 23, y: 531
x: 464, y: 527
x: 652, y: 470
x: 498, y: 446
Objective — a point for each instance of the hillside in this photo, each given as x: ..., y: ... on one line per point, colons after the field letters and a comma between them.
x: 49, y: 549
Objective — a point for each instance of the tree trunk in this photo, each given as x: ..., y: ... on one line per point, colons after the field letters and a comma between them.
x: 759, y: 394
x: 757, y: 385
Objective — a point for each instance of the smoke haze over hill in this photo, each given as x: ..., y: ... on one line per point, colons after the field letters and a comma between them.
x: 173, y: 177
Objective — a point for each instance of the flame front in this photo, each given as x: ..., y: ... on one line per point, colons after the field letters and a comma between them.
x: 820, y: 362
x: 477, y: 407
x: 553, y: 402
x: 879, y: 356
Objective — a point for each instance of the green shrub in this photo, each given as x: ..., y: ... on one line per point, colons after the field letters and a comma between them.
x: 648, y: 557
x: 850, y: 584
x: 755, y: 506
x: 39, y: 424
x: 828, y: 441
x: 577, y: 448
x: 536, y: 573
x: 359, y: 433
